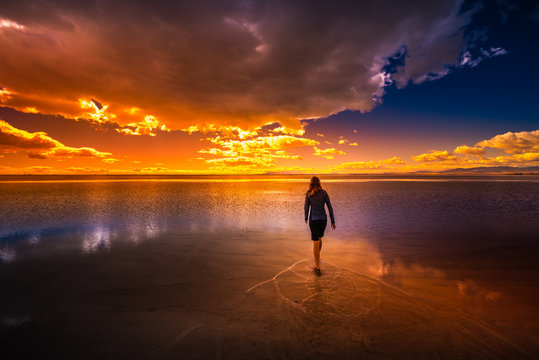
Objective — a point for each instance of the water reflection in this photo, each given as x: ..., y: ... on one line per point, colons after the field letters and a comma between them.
x: 34, y: 239
x: 101, y: 236
x: 468, y: 288
x: 458, y: 291
x: 467, y: 245
x: 347, y: 313
x: 7, y: 254
x: 98, y: 239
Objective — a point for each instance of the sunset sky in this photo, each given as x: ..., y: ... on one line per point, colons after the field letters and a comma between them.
x: 216, y: 86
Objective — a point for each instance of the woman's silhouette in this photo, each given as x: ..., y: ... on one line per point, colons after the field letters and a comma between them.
x: 315, y: 198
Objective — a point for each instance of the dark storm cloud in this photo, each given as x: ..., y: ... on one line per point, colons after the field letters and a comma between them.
x: 242, y: 62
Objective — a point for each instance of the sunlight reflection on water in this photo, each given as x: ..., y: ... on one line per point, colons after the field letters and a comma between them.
x: 377, y: 211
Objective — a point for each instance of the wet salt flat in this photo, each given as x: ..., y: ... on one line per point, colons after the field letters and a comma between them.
x: 221, y: 269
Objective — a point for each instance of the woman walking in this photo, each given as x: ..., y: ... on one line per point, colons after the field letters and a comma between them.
x: 315, y: 199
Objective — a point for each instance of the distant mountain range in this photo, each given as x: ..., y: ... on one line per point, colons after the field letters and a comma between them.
x: 498, y: 170
x: 482, y: 170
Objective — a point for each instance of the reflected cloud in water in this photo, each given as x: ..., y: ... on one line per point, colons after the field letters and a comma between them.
x: 98, y: 239
x: 34, y: 239
x: 468, y: 288
x: 7, y: 254
x: 101, y: 237
x: 436, y: 285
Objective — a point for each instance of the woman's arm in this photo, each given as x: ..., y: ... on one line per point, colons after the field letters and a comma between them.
x: 328, y: 203
x: 307, y: 205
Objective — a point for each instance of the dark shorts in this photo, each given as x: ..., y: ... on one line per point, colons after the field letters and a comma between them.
x: 317, y: 228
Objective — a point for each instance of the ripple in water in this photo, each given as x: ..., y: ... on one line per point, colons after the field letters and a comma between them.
x: 344, y: 314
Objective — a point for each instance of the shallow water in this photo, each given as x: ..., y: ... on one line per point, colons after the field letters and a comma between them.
x: 207, y: 269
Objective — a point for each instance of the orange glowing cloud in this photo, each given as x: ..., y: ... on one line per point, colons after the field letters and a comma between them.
x: 255, y: 152
x: 514, y: 143
x: 514, y: 159
x: 327, y: 153
x: 98, y: 114
x: 522, y: 147
x: 146, y: 127
x: 261, y: 146
x: 5, y: 95
x: 283, y: 130
x: 393, y: 161
x: 40, y: 146
x: 469, y: 150
x: 435, y: 155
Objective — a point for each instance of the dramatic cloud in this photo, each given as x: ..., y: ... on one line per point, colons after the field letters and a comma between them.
x: 469, y: 150
x: 514, y: 143
x: 14, y: 139
x: 146, y: 127
x: 99, y: 115
x: 40, y: 146
x: 435, y: 155
x: 523, y: 147
x: 256, y: 152
x: 237, y: 62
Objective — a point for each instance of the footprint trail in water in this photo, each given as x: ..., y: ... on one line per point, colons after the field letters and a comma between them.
x: 343, y: 315
x: 343, y: 312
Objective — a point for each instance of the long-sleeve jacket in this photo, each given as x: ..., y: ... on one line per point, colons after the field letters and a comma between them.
x: 316, y: 203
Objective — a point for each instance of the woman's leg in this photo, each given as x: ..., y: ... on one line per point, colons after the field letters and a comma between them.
x: 320, y: 244
x: 316, y: 252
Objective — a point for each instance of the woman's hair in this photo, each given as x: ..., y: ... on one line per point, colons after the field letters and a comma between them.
x: 314, y: 186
